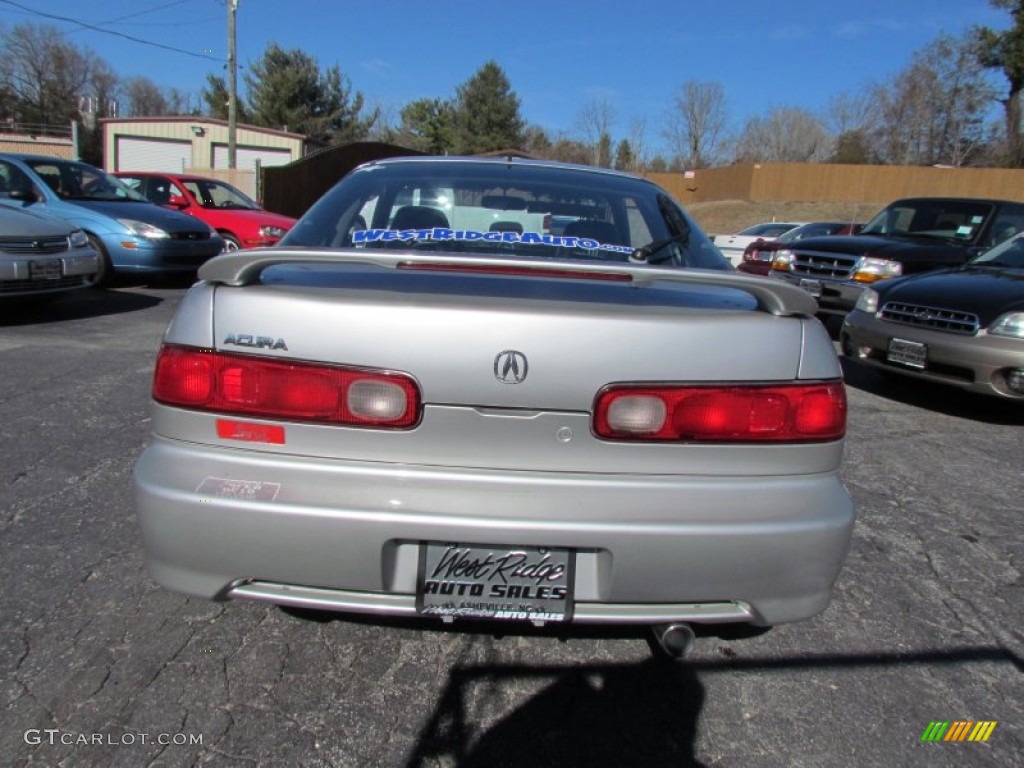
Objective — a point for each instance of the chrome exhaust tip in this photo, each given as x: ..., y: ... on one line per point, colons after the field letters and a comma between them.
x: 676, y: 640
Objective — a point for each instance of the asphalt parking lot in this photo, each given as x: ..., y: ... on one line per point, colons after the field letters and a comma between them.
x: 99, y: 667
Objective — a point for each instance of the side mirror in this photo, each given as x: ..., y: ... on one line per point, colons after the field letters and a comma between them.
x: 177, y: 201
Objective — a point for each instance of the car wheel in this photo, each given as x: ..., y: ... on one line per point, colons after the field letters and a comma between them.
x: 230, y: 242
x: 106, y: 270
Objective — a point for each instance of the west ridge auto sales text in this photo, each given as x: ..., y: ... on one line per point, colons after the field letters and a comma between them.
x: 464, y: 589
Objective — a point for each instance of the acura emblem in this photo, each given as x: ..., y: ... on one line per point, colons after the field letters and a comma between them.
x: 510, y: 367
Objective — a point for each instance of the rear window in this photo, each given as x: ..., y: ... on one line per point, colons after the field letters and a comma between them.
x: 502, y: 208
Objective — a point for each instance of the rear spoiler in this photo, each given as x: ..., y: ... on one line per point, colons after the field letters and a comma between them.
x: 238, y: 268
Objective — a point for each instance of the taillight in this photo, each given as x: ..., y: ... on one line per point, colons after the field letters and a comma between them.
x: 275, y: 389
x: 726, y: 414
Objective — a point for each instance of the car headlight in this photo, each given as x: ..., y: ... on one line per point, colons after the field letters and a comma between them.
x: 78, y: 239
x: 1010, y: 324
x: 871, y: 270
x: 268, y: 230
x: 868, y: 301
x: 142, y: 229
x: 783, y: 260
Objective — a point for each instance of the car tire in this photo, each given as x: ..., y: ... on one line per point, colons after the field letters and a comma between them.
x: 230, y: 242
x: 106, y: 270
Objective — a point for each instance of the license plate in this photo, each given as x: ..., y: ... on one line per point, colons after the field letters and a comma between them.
x: 813, y: 287
x: 909, y: 353
x: 49, y: 269
x: 495, y: 582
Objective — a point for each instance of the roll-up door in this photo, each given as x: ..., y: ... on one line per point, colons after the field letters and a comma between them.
x: 137, y: 154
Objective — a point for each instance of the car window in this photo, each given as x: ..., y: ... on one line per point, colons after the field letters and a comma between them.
x: 1009, y: 253
x: 216, y: 194
x: 135, y: 183
x: 1007, y: 223
x: 502, y: 208
x: 79, y: 181
x: 12, y: 179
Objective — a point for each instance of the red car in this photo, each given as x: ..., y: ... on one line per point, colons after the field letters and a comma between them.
x: 235, y: 216
x: 757, y: 257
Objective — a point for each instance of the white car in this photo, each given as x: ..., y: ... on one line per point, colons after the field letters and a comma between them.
x: 732, y: 246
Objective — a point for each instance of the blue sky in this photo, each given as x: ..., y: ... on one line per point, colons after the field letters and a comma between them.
x: 559, y: 55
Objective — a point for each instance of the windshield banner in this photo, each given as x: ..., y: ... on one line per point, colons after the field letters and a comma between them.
x: 436, y: 234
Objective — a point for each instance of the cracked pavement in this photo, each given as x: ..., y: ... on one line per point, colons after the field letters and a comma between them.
x: 96, y: 662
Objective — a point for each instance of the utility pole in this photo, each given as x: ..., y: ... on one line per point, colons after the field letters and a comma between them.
x: 232, y: 85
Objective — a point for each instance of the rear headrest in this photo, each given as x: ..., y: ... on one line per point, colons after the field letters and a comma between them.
x: 418, y: 217
x: 506, y: 226
x: 602, y: 231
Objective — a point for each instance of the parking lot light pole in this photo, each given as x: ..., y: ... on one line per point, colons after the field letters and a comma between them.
x: 232, y: 84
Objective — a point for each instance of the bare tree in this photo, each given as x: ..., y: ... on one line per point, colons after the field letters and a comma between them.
x: 569, y: 150
x: 143, y: 98
x: 44, y: 74
x: 851, y: 118
x: 933, y: 112
x: 696, y: 123
x: 594, y: 126
x: 638, y: 144
x: 848, y: 112
x: 180, y: 102
x: 785, y: 135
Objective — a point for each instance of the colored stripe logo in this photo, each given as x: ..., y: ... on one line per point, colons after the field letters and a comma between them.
x: 959, y: 730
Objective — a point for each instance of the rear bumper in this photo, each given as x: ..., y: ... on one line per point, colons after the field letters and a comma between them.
x: 345, y: 535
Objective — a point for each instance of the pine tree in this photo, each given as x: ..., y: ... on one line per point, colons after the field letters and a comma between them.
x: 487, y: 114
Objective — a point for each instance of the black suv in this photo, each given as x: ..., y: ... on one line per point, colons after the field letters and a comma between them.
x: 910, y: 235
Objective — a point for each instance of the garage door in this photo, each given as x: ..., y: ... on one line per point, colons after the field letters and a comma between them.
x: 246, y: 157
x: 135, y: 154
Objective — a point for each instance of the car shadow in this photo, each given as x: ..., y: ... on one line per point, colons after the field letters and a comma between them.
x: 947, y: 400
x: 598, y: 714
x: 74, y: 306
x: 593, y: 714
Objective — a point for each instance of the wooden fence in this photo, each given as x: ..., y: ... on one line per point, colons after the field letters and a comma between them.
x: 797, y: 182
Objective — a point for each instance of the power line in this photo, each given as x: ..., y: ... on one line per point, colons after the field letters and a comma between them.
x: 148, y: 10
x: 111, y: 32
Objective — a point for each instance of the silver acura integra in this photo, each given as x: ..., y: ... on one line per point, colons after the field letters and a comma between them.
x: 498, y: 389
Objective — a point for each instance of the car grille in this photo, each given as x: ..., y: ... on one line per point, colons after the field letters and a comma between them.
x: 837, y: 266
x: 947, y: 320
x: 34, y: 244
x: 44, y: 284
x: 190, y: 235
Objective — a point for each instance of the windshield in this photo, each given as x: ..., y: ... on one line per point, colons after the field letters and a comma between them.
x: 502, y: 208
x: 210, y: 193
x: 937, y: 218
x: 773, y: 229
x: 817, y: 229
x: 1009, y: 253
x: 78, y: 181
